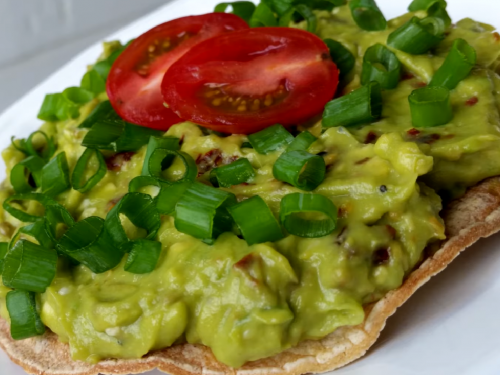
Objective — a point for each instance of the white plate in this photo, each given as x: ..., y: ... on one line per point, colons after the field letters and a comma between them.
x: 450, y: 326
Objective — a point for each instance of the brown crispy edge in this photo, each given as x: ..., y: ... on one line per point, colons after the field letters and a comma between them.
x: 474, y: 216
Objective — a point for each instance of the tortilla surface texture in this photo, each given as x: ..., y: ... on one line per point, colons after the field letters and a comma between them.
x: 475, y: 215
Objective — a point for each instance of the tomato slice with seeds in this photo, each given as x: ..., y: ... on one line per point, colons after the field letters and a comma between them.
x: 245, y: 81
x: 134, y: 82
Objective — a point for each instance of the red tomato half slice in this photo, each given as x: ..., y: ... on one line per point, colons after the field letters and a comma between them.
x: 248, y: 80
x: 134, y: 83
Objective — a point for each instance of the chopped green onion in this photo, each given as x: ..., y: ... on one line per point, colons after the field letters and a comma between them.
x: 305, y: 12
x: 169, y: 196
x: 20, y: 145
x: 78, y: 95
x: 141, y: 210
x: 143, y: 257
x: 341, y: 56
x: 270, y: 139
x: 140, y: 182
x: 438, y: 10
x: 47, y: 152
x: 102, y: 68
x: 457, y: 66
x: 20, y: 215
x: 103, y: 111
x: 381, y: 65
x: 243, y: 9
x: 302, y: 142
x: 55, y: 216
x: 367, y: 15
x: 25, y: 321
x: 294, y: 206
x: 430, y: 106
x: 27, y: 170
x: 256, y: 221
x: 235, y: 173
x: 169, y: 143
x: 246, y: 145
x: 38, y: 231
x: 56, y: 107
x: 280, y: 7
x: 55, y: 176
x: 362, y: 106
x: 89, y: 243
x: 263, y: 16
x: 29, y: 267
x: 417, y: 36
x: 202, y: 212
x: 80, y: 181
x: 118, y: 136
x: 161, y: 159
x: 93, y: 82
x: 4, y: 248
x: 300, y: 169
x: 417, y: 5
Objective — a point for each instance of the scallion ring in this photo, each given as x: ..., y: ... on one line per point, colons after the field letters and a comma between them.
x: 300, y: 169
x: 103, y: 111
x: 143, y: 257
x: 418, y: 36
x: 83, y: 180
x: 161, y: 159
x: 263, y: 16
x: 270, y: 139
x: 37, y: 230
x: 58, y: 220
x: 55, y: 176
x: 169, y: 196
x: 457, y: 66
x: 367, y: 15
x: 417, y: 5
x: 295, y: 206
x: 256, y: 221
x: 381, y: 65
x: 27, y: 175
x: 25, y: 321
x: 430, y: 106
x: 303, y: 11
x: 47, y: 152
x: 302, y: 142
x: 232, y: 174
x: 341, y: 56
x: 23, y: 216
x: 243, y: 9
x: 169, y: 143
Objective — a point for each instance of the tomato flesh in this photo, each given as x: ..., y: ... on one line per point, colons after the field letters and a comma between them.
x: 134, y: 82
x: 245, y: 81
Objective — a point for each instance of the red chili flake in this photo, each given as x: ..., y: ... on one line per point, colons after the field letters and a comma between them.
x: 115, y: 162
x: 112, y: 203
x: 407, y: 75
x: 362, y: 161
x: 496, y: 36
x: 371, y: 137
x: 413, y: 132
x: 381, y: 257
x: 181, y: 141
x: 472, y: 101
x: 428, y: 138
x: 245, y: 262
x: 419, y: 84
x: 391, y: 230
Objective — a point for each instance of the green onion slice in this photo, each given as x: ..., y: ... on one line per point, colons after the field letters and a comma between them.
x: 256, y: 221
x: 81, y: 180
x: 457, y: 66
x: 103, y: 111
x: 27, y: 175
x: 29, y: 267
x: 243, y: 9
x: 55, y: 176
x: 430, y: 106
x: 418, y: 36
x: 381, y: 65
x: 300, y: 169
x: 295, y: 206
x: 362, y: 106
x: 47, y: 152
x: 78, y: 95
x: 169, y: 196
x: 143, y: 257
x: 93, y: 82
x: 367, y: 15
x: 202, y: 212
x: 417, y: 5
x: 25, y: 321
x: 303, y: 11
x: 89, y: 243
x: 141, y: 210
x: 235, y: 173
x: 57, y: 107
x: 141, y: 182
x: 162, y: 158
x: 263, y: 16
x: 341, y: 56
x: 270, y: 139
x: 168, y: 143
x: 302, y: 142
x: 438, y: 10
x: 4, y: 248
x: 38, y: 231
x: 118, y: 136
x: 57, y: 219
x: 21, y: 215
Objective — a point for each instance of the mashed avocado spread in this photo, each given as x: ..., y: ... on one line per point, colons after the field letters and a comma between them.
x: 250, y: 302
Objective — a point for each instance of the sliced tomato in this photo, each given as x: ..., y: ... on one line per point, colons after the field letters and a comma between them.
x: 245, y: 81
x: 134, y: 82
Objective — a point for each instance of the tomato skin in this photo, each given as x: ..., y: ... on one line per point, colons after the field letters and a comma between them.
x: 253, y: 64
x: 134, y: 82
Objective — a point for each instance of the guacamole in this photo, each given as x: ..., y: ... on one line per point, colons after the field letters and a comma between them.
x: 250, y: 302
